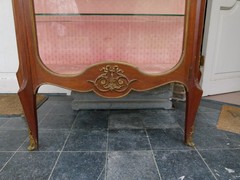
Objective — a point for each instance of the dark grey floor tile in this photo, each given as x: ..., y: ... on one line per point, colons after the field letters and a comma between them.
x: 93, y: 119
x: 102, y: 175
x: 212, y: 138
x: 4, y: 157
x: 157, y: 119
x: 11, y: 140
x: 40, y: 117
x: 180, y: 116
x: 212, y: 115
x: 207, y: 109
x: 204, y: 107
x: 203, y: 119
x: 182, y: 165
x: 126, y: 135
x: 60, y: 98
x: 209, y: 130
x: 167, y: 139
x: 52, y: 121
x: 225, y: 164
x: 29, y: 165
x: 44, y: 110
x: 131, y: 166
x: 123, y: 119
x: 207, y: 119
x: 46, y: 107
x: 62, y: 108
x: 80, y: 165
x: 3, y: 120
x: 15, y: 123
x: 234, y: 137
x: 215, y: 104
x: 125, y: 140
x: 211, y: 104
x: 49, y: 140
x: 179, y: 106
x: 87, y: 140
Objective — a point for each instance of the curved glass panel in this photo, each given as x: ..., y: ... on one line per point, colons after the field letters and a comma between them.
x: 74, y: 34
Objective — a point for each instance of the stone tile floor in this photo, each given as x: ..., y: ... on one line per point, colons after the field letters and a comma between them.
x: 118, y: 145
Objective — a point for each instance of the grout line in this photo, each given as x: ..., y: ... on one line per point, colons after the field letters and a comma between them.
x: 181, y: 150
x: 13, y: 155
x: 44, y: 117
x: 23, y: 144
x: 218, y: 148
x: 106, y: 162
x: 107, y: 148
x: 4, y: 123
x: 100, y: 173
x: 155, y: 162
x: 7, y: 151
x: 205, y: 163
x: 8, y: 161
x: 63, y: 147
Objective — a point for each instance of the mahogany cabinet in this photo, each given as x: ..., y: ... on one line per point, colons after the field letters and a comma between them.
x: 110, y: 47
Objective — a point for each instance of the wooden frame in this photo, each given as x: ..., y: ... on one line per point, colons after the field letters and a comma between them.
x: 121, y: 78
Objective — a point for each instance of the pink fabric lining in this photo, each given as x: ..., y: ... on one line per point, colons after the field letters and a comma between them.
x: 111, y: 6
x: 69, y: 44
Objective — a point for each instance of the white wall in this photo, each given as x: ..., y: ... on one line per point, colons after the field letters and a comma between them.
x: 8, y: 49
x: 8, y: 53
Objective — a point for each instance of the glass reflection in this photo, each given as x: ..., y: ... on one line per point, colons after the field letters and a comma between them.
x: 73, y: 34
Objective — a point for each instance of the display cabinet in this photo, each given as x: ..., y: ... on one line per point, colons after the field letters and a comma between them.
x: 108, y: 47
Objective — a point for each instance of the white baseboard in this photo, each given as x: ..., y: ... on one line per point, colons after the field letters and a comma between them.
x: 9, y: 84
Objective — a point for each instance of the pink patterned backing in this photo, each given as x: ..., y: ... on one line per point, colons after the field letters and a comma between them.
x: 111, y: 6
x: 69, y: 44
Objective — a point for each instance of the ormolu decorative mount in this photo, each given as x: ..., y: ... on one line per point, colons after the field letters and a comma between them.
x: 112, y: 79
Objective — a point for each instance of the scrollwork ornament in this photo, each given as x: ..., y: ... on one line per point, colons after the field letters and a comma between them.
x: 112, y: 79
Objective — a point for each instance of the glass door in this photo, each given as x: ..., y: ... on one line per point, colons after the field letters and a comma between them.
x: 75, y: 34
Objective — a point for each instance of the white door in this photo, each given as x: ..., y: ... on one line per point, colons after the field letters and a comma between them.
x: 221, y: 72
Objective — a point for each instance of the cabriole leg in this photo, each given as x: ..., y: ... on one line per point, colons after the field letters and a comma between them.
x: 28, y: 100
x: 194, y: 95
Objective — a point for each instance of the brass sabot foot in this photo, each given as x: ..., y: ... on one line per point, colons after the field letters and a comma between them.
x: 190, y: 143
x: 33, y: 144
